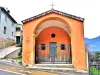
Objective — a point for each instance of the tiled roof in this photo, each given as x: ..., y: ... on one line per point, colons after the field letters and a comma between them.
x: 53, y: 11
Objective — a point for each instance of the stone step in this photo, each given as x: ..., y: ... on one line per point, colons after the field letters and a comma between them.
x: 53, y: 67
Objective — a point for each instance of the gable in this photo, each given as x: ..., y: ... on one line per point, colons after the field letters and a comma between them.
x: 53, y: 11
x: 2, y: 8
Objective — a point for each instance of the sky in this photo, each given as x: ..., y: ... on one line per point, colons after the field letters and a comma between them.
x: 88, y: 9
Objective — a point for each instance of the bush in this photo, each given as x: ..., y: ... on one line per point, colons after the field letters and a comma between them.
x: 94, y: 71
x: 20, y: 62
x: 19, y: 59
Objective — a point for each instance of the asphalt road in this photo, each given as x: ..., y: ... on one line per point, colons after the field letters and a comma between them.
x: 11, y: 69
x: 3, y: 72
x: 17, y: 70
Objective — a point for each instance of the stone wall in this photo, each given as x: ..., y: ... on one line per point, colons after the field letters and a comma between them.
x: 6, y: 43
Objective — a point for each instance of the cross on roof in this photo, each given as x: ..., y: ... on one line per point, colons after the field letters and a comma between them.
x: 52, y: 5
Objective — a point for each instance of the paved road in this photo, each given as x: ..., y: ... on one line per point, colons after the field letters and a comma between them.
x: 15, y: 68
x: 22, y: 70
x: 3, y: 72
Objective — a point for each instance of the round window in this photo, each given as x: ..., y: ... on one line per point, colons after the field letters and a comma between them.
x: 53, y: 35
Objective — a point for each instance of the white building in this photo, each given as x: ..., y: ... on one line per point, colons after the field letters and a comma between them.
x: 18, y: 33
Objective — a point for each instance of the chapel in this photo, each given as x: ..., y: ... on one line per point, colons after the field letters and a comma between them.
x: 54, y: 37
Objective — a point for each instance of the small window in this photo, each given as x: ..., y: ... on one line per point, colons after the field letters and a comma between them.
x: 4, y: 30
x: 42, y: 46
x: 12, y: 23
x: 63, y: 47
x: 18, y: 29
x: 6, y: 18
x: 53, y: 35
x: 12, y: 33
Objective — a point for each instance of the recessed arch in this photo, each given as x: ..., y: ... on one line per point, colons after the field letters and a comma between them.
x: 53, y: 18
x: 52, y: 32
x: 59, y: 37
x: 52, y: 23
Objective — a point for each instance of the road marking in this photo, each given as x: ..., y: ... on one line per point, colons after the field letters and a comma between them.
x: 26, y: 71
x: 12, y: 72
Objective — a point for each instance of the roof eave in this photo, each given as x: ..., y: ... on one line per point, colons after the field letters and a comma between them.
x: 53, y: 11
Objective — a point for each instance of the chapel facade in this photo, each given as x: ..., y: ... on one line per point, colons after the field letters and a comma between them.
x: 54, y: 37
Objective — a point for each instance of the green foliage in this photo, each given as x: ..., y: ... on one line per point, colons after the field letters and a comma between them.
x: 94, y: 71
x: 19, y: 59
x: 20, y: 62
x: 97, y: 54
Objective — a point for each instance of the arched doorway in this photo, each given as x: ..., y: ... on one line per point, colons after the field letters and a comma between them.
x: 53, y: 46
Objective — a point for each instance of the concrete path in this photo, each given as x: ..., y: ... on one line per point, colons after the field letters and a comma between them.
x: 8, y: 50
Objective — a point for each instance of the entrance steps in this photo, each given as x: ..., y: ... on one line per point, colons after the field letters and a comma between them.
x: 53, y: 67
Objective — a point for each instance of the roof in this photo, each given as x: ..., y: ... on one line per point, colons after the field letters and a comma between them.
x: 53, y: 11
x: 3, y: 9
x: 18, y: 24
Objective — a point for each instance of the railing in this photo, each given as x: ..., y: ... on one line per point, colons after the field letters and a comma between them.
x: 61, y: 56
x: 94, y: 63
x: 52, y: 59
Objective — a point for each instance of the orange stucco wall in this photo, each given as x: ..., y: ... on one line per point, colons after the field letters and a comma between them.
x: 45, y: 38
x: 77, y: 39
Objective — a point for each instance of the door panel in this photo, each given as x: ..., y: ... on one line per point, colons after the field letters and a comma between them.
x: 17, y: 39
x: 53, y: 49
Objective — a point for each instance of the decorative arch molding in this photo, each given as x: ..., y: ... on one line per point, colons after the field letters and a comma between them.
x: 54, y: 18
x: 52, y: 23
